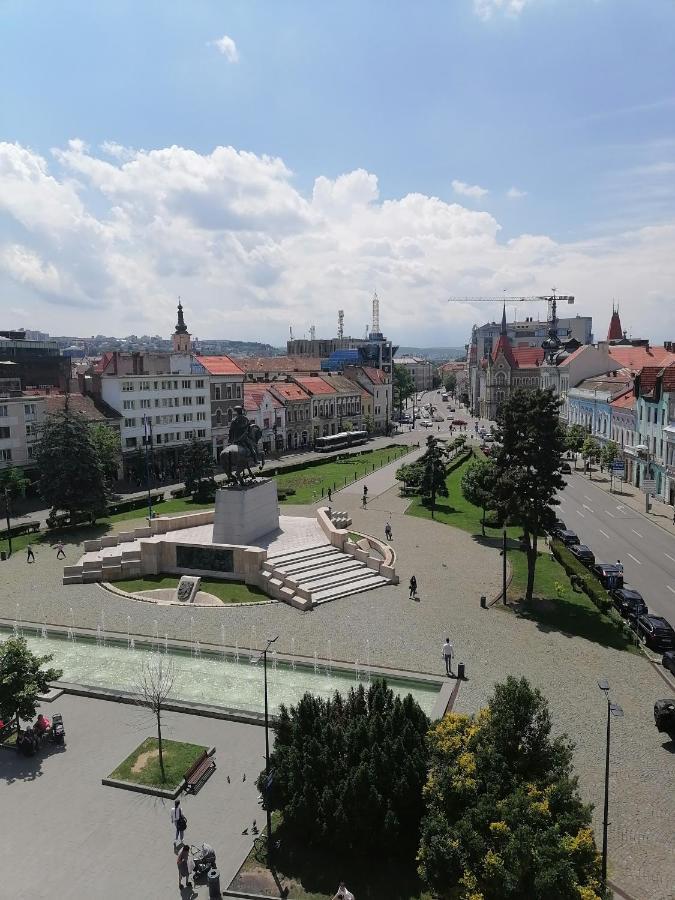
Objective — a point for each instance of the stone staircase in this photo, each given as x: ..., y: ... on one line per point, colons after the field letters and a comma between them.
x: 313, y: 575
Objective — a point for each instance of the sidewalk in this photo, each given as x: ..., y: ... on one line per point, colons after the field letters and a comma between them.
x: 661, y: 513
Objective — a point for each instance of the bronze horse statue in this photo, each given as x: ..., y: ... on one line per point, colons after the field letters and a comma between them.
x: 237, y: 459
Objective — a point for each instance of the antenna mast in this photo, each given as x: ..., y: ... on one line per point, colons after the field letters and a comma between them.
x: 312, y: 332
x: 341, y: 324
x: 376, y: 313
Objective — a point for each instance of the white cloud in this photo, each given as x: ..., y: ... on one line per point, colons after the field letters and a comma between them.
x: 514, y: 193
x: 94, y: 241
x: 485, y: 9
x: 227, y: 47
x: 475, y: 191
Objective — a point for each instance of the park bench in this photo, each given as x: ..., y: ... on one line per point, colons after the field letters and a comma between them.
x: 198, y: 772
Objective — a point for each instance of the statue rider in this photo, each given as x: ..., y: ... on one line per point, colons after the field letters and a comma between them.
x: 240, y: 433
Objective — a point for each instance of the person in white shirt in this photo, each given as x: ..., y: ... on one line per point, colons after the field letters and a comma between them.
x: 448, y: 651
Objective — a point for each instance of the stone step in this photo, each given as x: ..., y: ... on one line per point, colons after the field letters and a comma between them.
x: 365, y: 584
x: 325, y: 581
x: 72, y: 579
x: 332, y: 566
x: 301, y: 565
x: 301, y: 554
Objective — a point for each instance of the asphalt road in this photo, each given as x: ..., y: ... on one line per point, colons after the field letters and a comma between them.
x: 615, y: 531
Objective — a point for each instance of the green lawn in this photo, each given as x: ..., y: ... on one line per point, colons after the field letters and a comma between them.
x: 310, y: 875
x: 227, y: 591
x: 562, y: 610
x: 178, y: 757
x: 312, y: 482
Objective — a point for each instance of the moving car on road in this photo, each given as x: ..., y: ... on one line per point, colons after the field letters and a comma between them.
x: 656, y: 632
x: 629, y: 603
x: 583, y: 553
x: 610, y: 575
x: 566, y: 469
x: 567, y: 536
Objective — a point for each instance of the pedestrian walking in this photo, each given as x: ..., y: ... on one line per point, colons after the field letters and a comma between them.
x: 448, y: 651
x: 30, y: 556
x: 387, y: 531
x: 179, y: 821
x: 60, y: 552
x: 413, y: 587
x: 185, y: 864
x: 330, y: 495
x: 365, y: 491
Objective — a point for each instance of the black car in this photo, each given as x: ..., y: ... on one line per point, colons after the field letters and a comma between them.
x: 567, y: 536
x: 566, y: 469
x: 656, y: 632
x: 558, y: 525
x: 668, y: 661
x: 629, y: 602
x: 583, y: 553
x: 610, y: 575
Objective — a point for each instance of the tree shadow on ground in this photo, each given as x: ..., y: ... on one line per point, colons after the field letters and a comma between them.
x: 572, y: 620
x: 17, y: 767
x: 73, y: 535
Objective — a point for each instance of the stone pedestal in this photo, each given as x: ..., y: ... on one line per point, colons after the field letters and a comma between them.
x: 244, y: 514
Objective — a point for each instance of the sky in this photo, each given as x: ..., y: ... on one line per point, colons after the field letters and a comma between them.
x: 273, y: 162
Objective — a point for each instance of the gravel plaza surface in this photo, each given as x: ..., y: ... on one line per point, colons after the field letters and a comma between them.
x: 452, y: 572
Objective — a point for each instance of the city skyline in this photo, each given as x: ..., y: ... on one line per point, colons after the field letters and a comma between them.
x: 272, y: 166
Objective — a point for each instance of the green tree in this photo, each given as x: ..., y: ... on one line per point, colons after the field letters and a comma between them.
x: 13, y: 482
x: 504, y: 819
x: 369, y: 424
x: 107, y: 443
x: 22, y: 679
x: 349, y: 772
x: 609, y: 453
x: 590, y: 452
x: 478, y: 485
x: 450, y: 382
x: 411, y: 475
x: 71, y: 475
x: 528, y: 462
x: 404, y: 386
x: 574, y: 439
x: 198, y: 470
x: 433, y: 473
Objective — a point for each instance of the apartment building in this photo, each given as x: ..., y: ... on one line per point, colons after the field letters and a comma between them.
x: 378, y: 384
x: 268, y: 413
x: 335, y: 403
x: 421, y: 370
x: 298, y: 412
x: 227, y: 392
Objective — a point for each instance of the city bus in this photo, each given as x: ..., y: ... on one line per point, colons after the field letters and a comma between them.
x: 340, y: 441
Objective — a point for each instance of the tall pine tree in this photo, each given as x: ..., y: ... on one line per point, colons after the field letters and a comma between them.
x: 71, y: 475
x: 434, y: 473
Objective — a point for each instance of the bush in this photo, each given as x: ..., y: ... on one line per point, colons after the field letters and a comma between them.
x: 134, y: 503
x: 349, y: 772
x: 586, y: 580
x: 16, y: 530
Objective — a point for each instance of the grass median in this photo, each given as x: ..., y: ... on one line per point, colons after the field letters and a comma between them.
x: 142, y: 766
x: 227, y: 591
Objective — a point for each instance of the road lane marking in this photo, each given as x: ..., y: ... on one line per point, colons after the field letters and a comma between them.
x: 579, y: 513
x: 634, y: 559
x: 586, y: 497
x: 586, y: 506
x: 636, y: 532
x: 672, y: 590
x: 610, y: 514
x: 604, y: 534
x: 671, y: 558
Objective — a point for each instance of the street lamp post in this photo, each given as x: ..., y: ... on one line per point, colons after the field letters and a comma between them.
x: 147, y: 433
x: 9, y: 527
x: 613, y: 709
x: 504, y: 565
x: 268, y: 777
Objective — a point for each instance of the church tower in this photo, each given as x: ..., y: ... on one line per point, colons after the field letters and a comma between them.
x: 182, y: 342
x: 615, y: 332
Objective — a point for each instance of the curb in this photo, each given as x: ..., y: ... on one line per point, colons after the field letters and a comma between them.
x: 111, y: 589
x: 149, y: 789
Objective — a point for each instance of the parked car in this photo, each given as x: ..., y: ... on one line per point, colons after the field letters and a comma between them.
x: 629, y: 602
x: 425, y: 424
x: 558, y: 526
x: 610, y: 575
x: 567, y: 536
x: 656, y: 632
x: 583, y: 553
x: 668, y: 661
x: 488, y: 439
x: 566, y: 469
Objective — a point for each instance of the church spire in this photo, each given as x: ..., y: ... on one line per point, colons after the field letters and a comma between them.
x: 615, y: 331
x: 503, y: 328
x: 181, y: 337
x: 181, y: 327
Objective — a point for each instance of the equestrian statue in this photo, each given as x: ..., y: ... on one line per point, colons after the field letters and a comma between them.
x: 242, y: 451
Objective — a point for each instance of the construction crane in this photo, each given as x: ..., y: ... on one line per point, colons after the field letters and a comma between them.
x: 552, y: 300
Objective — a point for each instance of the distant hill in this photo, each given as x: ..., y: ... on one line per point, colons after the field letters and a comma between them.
x: 433, y: 353
x: 238, y: 348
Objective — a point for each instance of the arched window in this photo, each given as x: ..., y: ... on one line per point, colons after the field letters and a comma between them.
x: 501, y: 379
x: 229, y: 415
x: 219, y: 417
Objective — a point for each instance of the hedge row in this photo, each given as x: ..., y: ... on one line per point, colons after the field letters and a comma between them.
x: 319, y: 461
x: 587, y: 581
x: 121, y: 506
x: 16, y: 530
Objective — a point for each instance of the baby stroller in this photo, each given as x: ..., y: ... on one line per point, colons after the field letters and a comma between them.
x: 204, y: 858
x: 58, y: 732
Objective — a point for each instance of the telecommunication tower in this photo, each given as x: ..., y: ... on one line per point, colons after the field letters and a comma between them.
x: 341, y: 324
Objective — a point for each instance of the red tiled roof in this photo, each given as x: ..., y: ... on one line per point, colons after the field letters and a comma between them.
x: 648, y: 378
x: 254, y: 364
x: 637, y: 357
x: 615, y: 332
x: 255, y: 393
x: 219, y: 365
x: 101, y: 364
x: 288, y: 390
x: 624, y: 401
x: 315, y: 385
x: 92, y: 408
x: 574, y: 355
x: 528, y: 357
x: 375, y: 375
x: 504, y: 346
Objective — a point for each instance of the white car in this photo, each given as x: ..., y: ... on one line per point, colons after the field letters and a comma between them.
x: 425, y: 424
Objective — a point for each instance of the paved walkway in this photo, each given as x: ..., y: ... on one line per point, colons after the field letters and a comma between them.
x: 452, y: 571
x: 65, y: 835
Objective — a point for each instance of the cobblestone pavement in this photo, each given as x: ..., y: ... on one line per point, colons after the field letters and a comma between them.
x: 452, y: 572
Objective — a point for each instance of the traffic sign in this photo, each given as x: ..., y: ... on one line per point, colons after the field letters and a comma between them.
x: 649, y: 486
x: 618, y: 464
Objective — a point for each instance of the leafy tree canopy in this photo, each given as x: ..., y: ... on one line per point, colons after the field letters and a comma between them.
x: 433, y: 472
x: 348, y: 772
x: 107, y: 445
x: 479, y: 483
x: 450, y: 382
x: 22, y: 679
x: 504, y: 818
x: 71, y: 473
x: 198, y: 470
x: 404, y: 386
x: 575, y: 437
x: 13, y: 481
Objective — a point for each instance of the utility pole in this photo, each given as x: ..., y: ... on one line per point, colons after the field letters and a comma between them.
x: 504, y: 565
x: 9, y: 527
x: 268, y: 775
x: 613, y: 709
x: 147, y: 431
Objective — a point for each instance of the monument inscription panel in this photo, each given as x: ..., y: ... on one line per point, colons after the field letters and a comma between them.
x: 212, y: 559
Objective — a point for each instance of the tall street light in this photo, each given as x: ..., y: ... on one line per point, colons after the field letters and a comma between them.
x: 504, y: 565
x: 613, y: 709
x: 268, y: 775
x: 9, y: 524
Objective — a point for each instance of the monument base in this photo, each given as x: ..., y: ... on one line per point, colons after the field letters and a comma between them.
x: 244, y: 514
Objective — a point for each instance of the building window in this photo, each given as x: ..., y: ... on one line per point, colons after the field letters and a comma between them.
x: 239, y: 391
x: 201, y: 417
x: 5, y: 433
x: 145, y: 404
x: 3, y: 410
x: 201, y: 432
x: 200, y: 401
x: 130, y: 442
x: 127, y: 385
x: 129, y: 404
x: 144, y: 386
x: 229, y: 415
x: 216, y: 392
x: 129, y: 423
x: 187, y: 417
x: 187, y: 401
x: 186, y: 383
x: 189, y: 435
x: 219, y: 417
x: 199, y: 383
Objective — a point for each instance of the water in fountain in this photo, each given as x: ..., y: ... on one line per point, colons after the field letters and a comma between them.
x: 197, y: 649
x: 357, y: 674
x: 99, y: 636
x: 222, y: 640
x: 166, y: 643
x: 132, y: 646
x: 329, y: 657
x: 236, y: 651
x: 43, y: 630
x: 71, y: 630
x: 128, y: 632
x: 103, y: 625
x: 316, y: 664
x: 274, y: 658
x: 192, y: 630
x: 252, y: 644
x: 293, y: 654
x: 17, y: 621
x: 71, y: 635
x: 368, y: 659
x: 155, y: 636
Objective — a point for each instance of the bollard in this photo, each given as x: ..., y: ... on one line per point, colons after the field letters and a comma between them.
x: 213, y: 878
x: 460, y: 672
x: 483, y: 602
